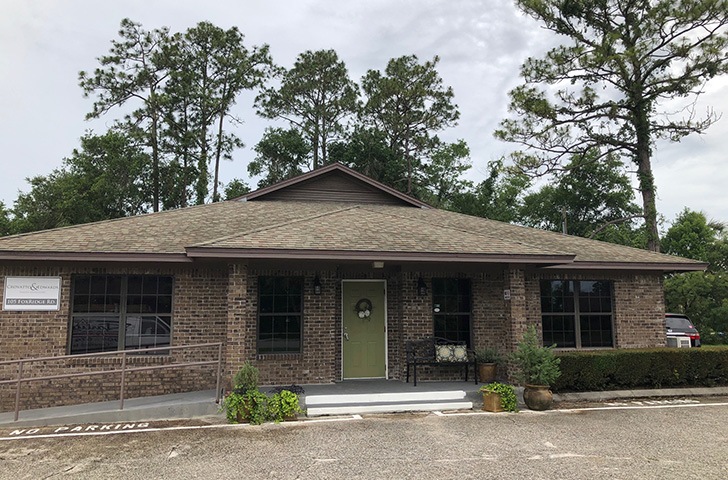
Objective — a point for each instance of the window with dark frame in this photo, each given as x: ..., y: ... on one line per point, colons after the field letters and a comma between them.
x: 577, y: 313
x: 280, y: 314
x: 451, y: 307
x: 120, y: 312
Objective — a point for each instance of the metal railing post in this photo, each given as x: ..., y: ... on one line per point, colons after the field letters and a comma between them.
x: 219, y: 373
x: 17, y: 390
x: 123, y: 380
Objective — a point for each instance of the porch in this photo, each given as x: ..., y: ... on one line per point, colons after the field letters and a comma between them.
x: 343, y: 398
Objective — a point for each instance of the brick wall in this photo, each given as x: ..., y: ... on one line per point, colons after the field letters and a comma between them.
x: 199, y: 316
x: 317, y: 361
x: 219, y: 304
x: 638, y: 304
x: 489, y: 318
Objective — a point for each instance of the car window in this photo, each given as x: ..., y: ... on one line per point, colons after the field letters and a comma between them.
x: 678, y: 322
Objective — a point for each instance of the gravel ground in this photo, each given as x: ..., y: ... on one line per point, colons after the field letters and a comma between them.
x: 685, y: 442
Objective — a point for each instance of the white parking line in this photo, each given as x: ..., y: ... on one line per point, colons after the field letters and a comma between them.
x: 88, y: 434
x: 567, y: 410
x: 26, y: 433
x: 641, y: 407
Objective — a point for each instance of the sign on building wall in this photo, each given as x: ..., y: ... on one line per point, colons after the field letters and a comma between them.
x: 32, y: 293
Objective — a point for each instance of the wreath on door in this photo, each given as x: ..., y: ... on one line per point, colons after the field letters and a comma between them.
x: 363, y: 308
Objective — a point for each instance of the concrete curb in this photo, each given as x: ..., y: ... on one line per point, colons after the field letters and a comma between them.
x: 647, y: 393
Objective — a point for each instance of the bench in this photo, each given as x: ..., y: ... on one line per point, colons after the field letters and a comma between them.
x: 436, y: 351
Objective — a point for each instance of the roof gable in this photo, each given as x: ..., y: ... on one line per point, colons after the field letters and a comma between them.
x: 334, y: 183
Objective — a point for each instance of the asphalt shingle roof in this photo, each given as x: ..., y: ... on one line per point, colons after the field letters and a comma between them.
x: 321, y: 226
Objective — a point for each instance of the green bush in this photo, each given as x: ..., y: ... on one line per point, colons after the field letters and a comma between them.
x: 234, y: 407
x: 642, y: 368
x: 488, y: 355
x: 535, y: 365
x: 283, y: 405
x: 256, y: 407
x: 251, y: 406
x: 246, y: 378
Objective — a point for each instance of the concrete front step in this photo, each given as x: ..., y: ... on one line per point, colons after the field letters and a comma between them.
x: 351, y: 404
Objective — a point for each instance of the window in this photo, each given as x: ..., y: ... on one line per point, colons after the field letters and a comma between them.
x: 114, y: 312
x: 280, y: 307
x: 451, y: 307
x: 577, y: 314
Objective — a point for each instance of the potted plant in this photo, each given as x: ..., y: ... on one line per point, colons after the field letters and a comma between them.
x: 536, y: 369
x: 257, y: 409
x: 234, y: 407
x: 488, y: 360
x: 239, y: 404
x: 499, y: 397
x: 284, y: 405
x: 247, y: 377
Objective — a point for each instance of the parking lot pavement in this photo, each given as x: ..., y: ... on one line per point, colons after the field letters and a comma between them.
x: 634, y: 441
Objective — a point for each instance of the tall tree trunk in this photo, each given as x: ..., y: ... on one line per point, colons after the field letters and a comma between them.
x: 315, y: 151
x: 184, y: 177
x: 218, y: 154
x: 155, y: 151
x: 645, y: 176
x: 187, y: 179
x: 408, y: 157
x: 324, y: 154
x: 202, y: 175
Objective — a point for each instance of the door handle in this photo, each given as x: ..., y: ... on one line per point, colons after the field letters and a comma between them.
x: 346, y: 336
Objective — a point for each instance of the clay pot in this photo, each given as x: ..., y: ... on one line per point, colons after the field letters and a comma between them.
x: 487, y: 372
x: 492, y: 402
x: 538, y: 397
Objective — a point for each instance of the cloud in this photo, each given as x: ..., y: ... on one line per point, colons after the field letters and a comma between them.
x: 44, y: 43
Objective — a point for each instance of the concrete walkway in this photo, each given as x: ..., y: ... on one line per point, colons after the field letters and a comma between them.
x: 162, y: 407
x: 202, y: 403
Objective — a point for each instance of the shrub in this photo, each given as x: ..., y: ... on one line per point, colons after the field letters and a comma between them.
x: 246, y: 378
x: 488, y: 355
x: 535, y: 365
x: 642, y: 368
x: 256, y: 407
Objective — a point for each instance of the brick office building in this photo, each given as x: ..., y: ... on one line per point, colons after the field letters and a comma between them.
x: 318, y: 279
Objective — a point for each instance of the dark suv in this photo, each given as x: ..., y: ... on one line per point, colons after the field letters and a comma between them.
x: 679, y: 325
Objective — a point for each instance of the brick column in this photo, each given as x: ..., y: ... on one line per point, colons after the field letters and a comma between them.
x: 516, y: 308
x: 516, y: 312
x: 237, y: 319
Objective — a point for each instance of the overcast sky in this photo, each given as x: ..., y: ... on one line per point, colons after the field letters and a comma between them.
x: 45, y: 43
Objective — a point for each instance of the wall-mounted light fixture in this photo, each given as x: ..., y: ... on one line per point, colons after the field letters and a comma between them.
x: 316, y: 285
x: 421, y: 287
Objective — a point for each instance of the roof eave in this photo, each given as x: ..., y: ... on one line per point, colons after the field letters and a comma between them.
x: 97, y: 257
x: 299, y: 254
x: 659, y: 266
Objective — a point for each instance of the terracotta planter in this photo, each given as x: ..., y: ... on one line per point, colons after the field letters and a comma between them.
x: 243, y: 415
x: 538, y: 397
x: 487, y: 372
x: 492, y: 402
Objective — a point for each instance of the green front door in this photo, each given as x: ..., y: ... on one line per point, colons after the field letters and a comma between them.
x: 364, y: 329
